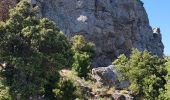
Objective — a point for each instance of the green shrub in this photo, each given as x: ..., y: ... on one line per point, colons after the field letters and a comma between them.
x: 33, y: 50
x: 65, y: 90
x: 144, y: 71
x: 81, y: 64
x: 4, y: 92
x: 80, y: 45
x: 83, y: 54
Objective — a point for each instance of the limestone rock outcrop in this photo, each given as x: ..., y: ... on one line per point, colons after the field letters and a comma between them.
x: 115, y: 26
x: 108, y: 76
x: 105, y: 75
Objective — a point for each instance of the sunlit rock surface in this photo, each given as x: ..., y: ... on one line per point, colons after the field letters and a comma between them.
x: 115, y: 26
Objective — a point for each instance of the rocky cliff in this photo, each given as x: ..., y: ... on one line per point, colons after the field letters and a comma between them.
x: 115, y: 26
x: 5, y: 5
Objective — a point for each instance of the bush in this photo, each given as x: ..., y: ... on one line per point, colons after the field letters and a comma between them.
x: 80, y: 45
x: 33, y: 50
x: 65, y: 90
x: 144, y: 71
x: 4, y: 92
x: 81, y: 64
x: 83, y: 55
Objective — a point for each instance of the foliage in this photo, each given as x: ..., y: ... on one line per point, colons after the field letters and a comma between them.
x: 80, y: 45
x: 65, y: 90
x: 144, y: 71
x: 33, y: 50
x: 166, y: 94
x: 168, y: 79
x: 83, y: 55
x: 4, y: 92
x: 48, y: 88
x: 81, y: 64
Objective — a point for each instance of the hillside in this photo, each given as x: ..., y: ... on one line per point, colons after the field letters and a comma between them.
x: 80, y: 50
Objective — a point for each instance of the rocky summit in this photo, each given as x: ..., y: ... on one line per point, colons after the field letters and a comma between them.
x: 115, y: 26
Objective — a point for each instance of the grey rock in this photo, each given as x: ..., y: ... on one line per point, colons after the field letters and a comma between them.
x: 123, y: 84
x: 156, y: 30
x: 119, y: 96
x: 108, y: 76
x: 105, y: 75
x: 115, y: 26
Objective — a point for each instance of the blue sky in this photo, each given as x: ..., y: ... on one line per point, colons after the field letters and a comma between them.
x: 159, y: 16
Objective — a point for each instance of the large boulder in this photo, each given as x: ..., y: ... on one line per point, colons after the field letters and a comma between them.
x: 115, y: 26
x: 105, y: 75
x: 108, y: 76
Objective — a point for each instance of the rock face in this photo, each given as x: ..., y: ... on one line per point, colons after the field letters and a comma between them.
x: 115, y: 26
x: 5, y: 5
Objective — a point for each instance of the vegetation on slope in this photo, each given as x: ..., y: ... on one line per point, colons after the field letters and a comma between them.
x: 144, y: 71
x: 33, y: 51
x: 83, y: 55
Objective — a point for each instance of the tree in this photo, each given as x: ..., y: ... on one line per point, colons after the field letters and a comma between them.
x: 83, y: 55
x: 82, y: 64
x: 166, y: 93
x: 144, y: 71
x: 33, y: 50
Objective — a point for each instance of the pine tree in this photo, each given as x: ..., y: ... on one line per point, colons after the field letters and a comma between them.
x: 144, y: 71
x: 83, y: 54
x: 33, y: 50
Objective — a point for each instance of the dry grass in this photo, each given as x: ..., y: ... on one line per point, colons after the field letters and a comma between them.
x: 101, y: 92
x: 97, y: 88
